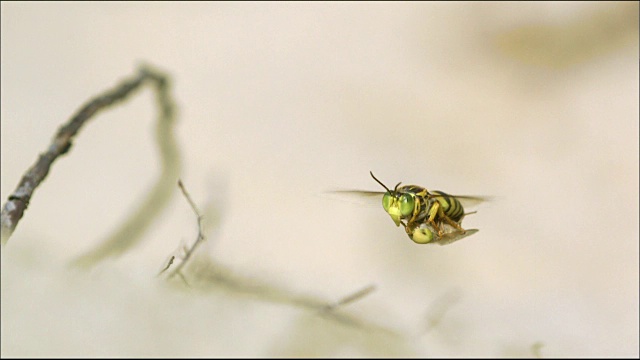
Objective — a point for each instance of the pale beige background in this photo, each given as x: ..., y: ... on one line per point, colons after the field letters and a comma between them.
x: 534, y: 103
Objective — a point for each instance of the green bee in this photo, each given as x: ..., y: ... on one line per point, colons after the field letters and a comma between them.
x: 427, y: 217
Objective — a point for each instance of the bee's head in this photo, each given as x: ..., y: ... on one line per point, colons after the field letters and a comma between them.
x: 397, y: 205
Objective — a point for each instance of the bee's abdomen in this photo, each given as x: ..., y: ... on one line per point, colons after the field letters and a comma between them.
x: 450, y: 205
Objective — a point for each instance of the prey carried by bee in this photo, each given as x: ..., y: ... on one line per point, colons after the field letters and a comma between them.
x: 427, y: 216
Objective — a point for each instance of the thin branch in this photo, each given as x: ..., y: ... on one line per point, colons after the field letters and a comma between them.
x: 205, y: 273
x: 181, y: 275
x: 171, y: 259
x: 191, y: 203
x: 14, y: 208
x: 157, y: 198
x: 351, y: 298
x: 209, y: 274
x: 199, y: 239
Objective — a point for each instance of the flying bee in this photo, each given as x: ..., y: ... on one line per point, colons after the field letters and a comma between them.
x: 427, y: 217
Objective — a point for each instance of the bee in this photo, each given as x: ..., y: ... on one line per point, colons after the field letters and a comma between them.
x: 427, y: 217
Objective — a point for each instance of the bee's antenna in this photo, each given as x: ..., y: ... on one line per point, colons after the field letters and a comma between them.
x: 395, y: 190
x: 380, y: 182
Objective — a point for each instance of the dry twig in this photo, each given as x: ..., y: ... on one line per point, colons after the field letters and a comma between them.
x: 351, y: 298
x: 131, y: 231
x: 18, y: 201
x: 13, y: 209
x: 199, y: 239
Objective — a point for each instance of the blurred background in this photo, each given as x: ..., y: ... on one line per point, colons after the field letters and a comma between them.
x: 535, y: 104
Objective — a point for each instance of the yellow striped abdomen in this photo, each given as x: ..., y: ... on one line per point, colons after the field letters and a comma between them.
x: 450, y: 205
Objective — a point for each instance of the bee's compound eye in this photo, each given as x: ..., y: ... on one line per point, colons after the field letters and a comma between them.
x: 406, y: 204
x: 387, y: 199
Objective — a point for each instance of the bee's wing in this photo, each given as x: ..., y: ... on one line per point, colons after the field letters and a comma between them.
x: 448, y: 238
x: 359, y: 193
x: 369, y: 198
x: 467, y: 201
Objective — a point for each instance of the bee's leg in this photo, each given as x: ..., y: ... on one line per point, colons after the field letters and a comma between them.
x: 410, y: 228
x: 436, y: 210
x: 453, y: 223
x: 416, y: 212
